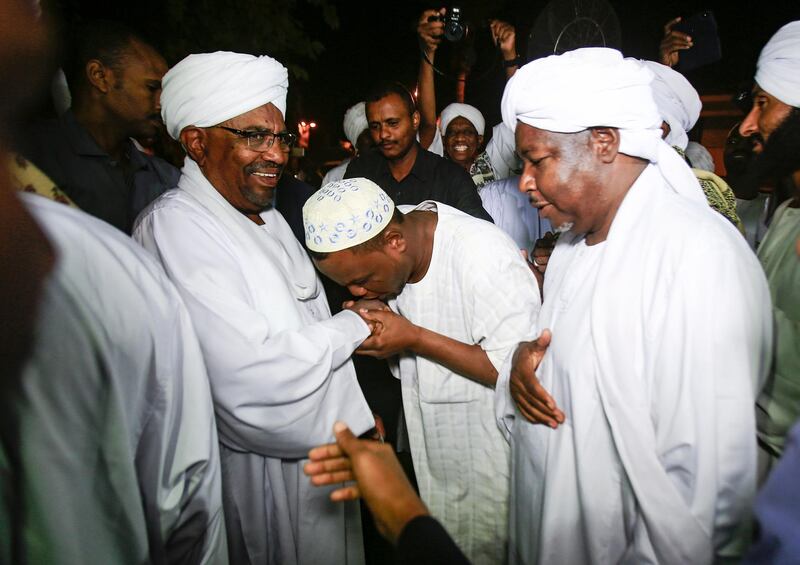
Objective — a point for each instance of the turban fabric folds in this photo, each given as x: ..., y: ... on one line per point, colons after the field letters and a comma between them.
x: 595, y: 87
x: 778, y: 67
x: 677, y: 102
x: 355, y: 122
x: 208, y: 88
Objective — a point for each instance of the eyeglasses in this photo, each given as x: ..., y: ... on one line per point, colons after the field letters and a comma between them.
x: 259, y: 140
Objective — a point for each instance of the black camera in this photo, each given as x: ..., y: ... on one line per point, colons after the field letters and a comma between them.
x: 453, y: 27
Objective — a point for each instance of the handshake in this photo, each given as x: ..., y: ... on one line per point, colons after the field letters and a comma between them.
x: 390, y: 333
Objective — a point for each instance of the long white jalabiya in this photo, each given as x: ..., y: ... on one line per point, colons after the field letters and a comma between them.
x: 778, y: 67
x: 677, y: 101
x: 677, y: 404
x: 205, y: 89
x: 279, y: 367
x: 455, y: 110
x: 610, y: 91
x: 355, y: 122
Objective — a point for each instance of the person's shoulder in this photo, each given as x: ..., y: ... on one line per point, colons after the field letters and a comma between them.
x: 168, y: 172
x: 445, y: 169
x: 473, y: 236
x: 364, y: 165
x: 94, y: 244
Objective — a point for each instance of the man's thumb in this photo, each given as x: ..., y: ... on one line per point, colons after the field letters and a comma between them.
x: 344, y: 437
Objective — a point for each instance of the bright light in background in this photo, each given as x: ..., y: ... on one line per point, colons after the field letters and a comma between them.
x: 304, y: 128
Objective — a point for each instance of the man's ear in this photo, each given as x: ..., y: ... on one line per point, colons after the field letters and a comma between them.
x: 415, y: 120
x: 394, y: 240
x: 195, y: 142
x: 97, y: 74
x: 605, y: 143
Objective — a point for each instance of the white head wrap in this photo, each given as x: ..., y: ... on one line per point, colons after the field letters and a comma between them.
x: 208, y: 88
x: 593, y: 87
x: 355, y: 122
x: 454, y: 110
x: 677, y: 101
x: 778, y: 67
x: 344, y: 213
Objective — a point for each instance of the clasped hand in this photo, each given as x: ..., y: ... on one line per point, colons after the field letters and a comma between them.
x: 390, y: 332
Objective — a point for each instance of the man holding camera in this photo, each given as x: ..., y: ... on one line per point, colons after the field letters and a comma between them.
x: 459, y: 135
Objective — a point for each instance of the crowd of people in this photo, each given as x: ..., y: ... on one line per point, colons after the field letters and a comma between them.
x: 566, y: 344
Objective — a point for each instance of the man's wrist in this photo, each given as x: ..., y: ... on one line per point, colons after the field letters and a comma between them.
x: 515, y: 61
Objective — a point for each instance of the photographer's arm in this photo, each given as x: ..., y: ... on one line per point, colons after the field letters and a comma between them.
x: 430, y: 35
x: 505, y: 38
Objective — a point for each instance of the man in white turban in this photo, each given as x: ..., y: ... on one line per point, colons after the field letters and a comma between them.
x: 278, y: 362
x: 465, y: 299
x: 655, y: 333
x: 356, y: 131
x: 774, y: 123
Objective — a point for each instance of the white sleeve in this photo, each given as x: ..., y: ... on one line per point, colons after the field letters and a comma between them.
x: 500, y: 293
x: 275, y: 393
x: 502, y: 152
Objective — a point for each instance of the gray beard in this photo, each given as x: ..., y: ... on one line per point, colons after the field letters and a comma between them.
x: 563, y: 228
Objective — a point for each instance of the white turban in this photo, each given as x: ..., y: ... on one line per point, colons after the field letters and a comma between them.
x: 355, y: 122
x: 343, y: 214
x: 778, y: 67
x: 208, y: 88
x: 677, y: 101
x: 594, y: 87
x: 455, y: 110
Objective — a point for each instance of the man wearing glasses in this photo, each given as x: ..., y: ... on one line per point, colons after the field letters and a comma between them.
x: 278, y: 362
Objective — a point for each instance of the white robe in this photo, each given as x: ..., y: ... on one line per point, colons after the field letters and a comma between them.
x: 477, y: 290
x: 336, y: 173
x: 119, y: 450
x: 656, y: 367
x: 279, y: 367
x: 512, y: 212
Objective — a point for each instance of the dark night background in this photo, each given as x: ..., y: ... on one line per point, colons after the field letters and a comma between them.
x: 336, y: 49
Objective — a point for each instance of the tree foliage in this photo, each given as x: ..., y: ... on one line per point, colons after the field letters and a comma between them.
x: 261, y: 27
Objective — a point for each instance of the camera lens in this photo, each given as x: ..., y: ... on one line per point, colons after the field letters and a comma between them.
x: 454, y: 31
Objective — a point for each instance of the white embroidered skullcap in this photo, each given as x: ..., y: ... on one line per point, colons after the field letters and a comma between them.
x: 778, y: 67
x: 355, y: 122
x: 344, y: 213
x: 677, y: 101
x: 593, y: 87
x: 208, y: 88
x: 454, y: 110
